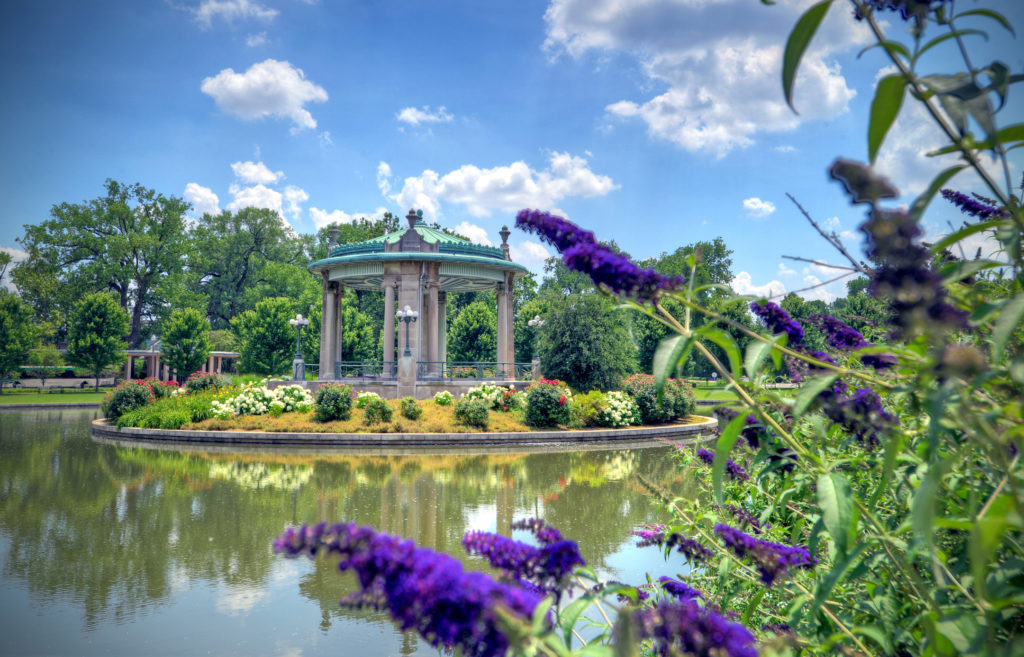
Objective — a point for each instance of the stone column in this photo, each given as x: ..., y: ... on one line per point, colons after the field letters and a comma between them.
x: 128, y: 368
x: 502, y: 321
x: 339, y: 295
x: 389, y: 326
x: 433, y: 338
x: 442, y: 327
x: 510, y: 321
x: 326, y: 333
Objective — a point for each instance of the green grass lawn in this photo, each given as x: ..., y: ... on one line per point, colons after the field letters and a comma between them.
x: 714, y: 394
x: 32, y: 396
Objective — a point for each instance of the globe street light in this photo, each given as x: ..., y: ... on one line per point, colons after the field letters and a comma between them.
x: 407, y: 315
x: 535, y: 324
x: 298, y: 365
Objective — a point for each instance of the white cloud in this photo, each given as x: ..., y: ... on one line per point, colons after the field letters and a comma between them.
x: 203, y: 199
x: 256, y: 173
x: 783, y: 270
x: 415, y: 116
x: 757, y: 208
x: 505, y: 188
x: 256, y: 40
x: 785, y: 148
x: 230, y: 11
x: 720, y: 61
x: 476, y: 234
x: 238, y: 601
x: 269, y: 88
x: 817, y: 291
x: 532, y: 255
x: 743, y: 284
x: 323, y: 218
x: 256, y: 196
x: 294, y: 198
x: 384, y: 178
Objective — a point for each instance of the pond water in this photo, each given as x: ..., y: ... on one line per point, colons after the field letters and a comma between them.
x: 127, y: 550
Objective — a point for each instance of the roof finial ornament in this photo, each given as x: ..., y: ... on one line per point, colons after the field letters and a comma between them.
x: 333, y: 233
x: 505, y: 232
x: 412, y: 217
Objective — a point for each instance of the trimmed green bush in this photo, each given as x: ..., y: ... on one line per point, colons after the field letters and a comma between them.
x: 547, y: 406
x: 677, y: 400
x: 473, y: 412
x: 126, y: 397
x: 584, y: 410
x: 410, y: 408
x: 377, y: 410
x: 199, y: 381
x: 333, y: 402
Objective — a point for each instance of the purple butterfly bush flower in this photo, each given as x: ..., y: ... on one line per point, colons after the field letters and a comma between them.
x: 773, y: 560
x: 747, y: 518
x: 545, y: 533
x: 548, y: 566
x: 608, y: 269
x: 845, y: 338
x: 685, y: 627
x: 678, y: 590
x: 657, y: 535
x: 972, y: 206
x: 735, y: 470
x: 420, y: 589
x: 778, y: 321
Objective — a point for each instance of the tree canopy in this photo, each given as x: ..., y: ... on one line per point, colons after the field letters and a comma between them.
x: 96, y: 333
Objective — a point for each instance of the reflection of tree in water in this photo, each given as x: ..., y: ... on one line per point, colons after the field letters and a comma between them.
x: 116, y: 529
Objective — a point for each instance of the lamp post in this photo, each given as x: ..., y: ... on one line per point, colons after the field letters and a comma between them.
x: 407, y: 315
x: 535, y: 324
x: 298, y: 365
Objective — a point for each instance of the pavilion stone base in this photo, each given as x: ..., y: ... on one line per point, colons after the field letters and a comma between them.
x: 419, y: 389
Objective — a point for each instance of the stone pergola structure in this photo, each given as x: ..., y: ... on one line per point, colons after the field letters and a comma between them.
x: 418, y: 267
x: 154, y: 368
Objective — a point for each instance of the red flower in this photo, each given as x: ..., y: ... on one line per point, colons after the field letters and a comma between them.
x: 561, y: 400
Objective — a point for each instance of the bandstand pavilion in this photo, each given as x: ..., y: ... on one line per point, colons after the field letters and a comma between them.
x: 416, y: 268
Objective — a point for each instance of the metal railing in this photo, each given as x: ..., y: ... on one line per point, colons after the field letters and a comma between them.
x: 484, y: 371
x: 365, y: 369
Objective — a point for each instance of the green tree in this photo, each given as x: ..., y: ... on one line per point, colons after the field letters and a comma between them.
x: 185, y: 343
x: 232, y: 254
x: 96, y: 333
x: 585, y: 342
x: 130, y: 242
x: 45, y: 361
x: 267, y: 341
x: 18, y: 335
x: 473, y: 335
x: 526, y: 335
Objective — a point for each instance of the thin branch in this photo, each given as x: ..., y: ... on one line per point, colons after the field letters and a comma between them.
x: 831, y: 239
x: 816, y: 285
x: 822, y: 264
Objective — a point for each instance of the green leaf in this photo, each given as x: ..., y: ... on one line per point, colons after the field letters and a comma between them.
x: 722, y: 449
x: 994, y: 15
x: 1009, y: 134
x: 884, y: 109
x: 797, y: 44
x: 923, y: 507
x: 668, y: 354
x: 810, y: 390
x: 875, y: 634
x: 890, y: 47
x: 1008, y: 320
x: 834, y: 576
x: 756, y: 353
x: 922, y: 201
x: 626, y: 644
x: 572, y: 612
x: 540, y: 615
x: 964, y: 233
x: 961, y: 269
x: 728, y: 345
x: 836, y: 504
x: 752, y: 607
x: 892, y: 449
x: 949, y: 35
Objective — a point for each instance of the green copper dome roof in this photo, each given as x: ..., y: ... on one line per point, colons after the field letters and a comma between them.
x: 447, y: 243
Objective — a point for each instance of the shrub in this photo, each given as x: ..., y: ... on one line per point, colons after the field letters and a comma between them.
x: 677, y: 399
x: 376, y: 410
x: 473, y: 412
x: 585, y: 409
x: 126, y: 397
x: 255, y: 399
x: 174, y: 419
x: 365, y: 397
x: 199, y: 381
x: 618, y: 410
x: 410, y: 408
x: 162, y: 389
x: 500, y: 398
x: 444, y: 398
x: 547, y: 405
x: 333, y: 402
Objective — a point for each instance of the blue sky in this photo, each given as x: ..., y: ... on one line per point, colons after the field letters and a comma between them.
x: 655, y: 123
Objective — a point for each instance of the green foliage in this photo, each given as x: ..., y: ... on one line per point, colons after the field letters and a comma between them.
x: 472, y: 336
x: 472, y: 412
x: 18, y: 335
x: 584, y: 409
x: 127, y: 397
x: 444, y: 398
x: 333, y: 402
x: 200, y: 381
x: 172, y: 412
x: 585, y: 343
x: 677, y: 401
x: 377, y: 410
x: 267, y: 341
x: 95, y: 336
x: 410, y: 408
x: 185, y: 342
x: 547, y: 405
x: 46, y: 362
